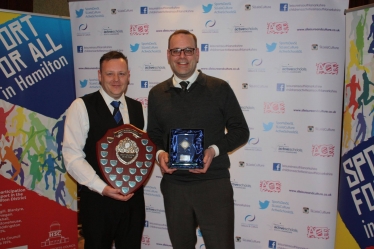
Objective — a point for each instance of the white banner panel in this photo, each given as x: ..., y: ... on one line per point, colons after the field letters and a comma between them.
x: 285, y: 62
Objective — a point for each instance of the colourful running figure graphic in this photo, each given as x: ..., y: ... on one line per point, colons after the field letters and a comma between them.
x: 59, y: 190
x: 50, y: 142
x: 12, y: 158
x: 12, y: 171
x: 360, y: 43
x: 18, y: 121
x: 347, y: 128
x: 59, y: 135
x: 31, y: 141
x: 35, y: 169
x: 51, y: 170
x: 353, y: 86
x: 3, y: 116
x: 371, y: 47
x: 62, y: 169
x: 360, y: 128
x: 354, y: 22
x: 354, y: 61
x: 372, y: 121
x: 38, y: 125
x: 364, y: 97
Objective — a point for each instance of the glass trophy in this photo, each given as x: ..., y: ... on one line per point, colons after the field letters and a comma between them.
x: 186, y: 149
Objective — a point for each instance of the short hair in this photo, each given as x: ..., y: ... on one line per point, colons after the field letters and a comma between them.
x: 182, y: 31
x: 113, y: 55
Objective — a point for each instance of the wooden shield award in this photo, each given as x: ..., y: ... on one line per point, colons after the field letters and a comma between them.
x: 126, y: 156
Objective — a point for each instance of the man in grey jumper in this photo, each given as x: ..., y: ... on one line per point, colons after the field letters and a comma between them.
x: 196, y: 197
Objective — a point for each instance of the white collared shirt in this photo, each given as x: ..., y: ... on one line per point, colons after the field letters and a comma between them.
x: 191, y: 80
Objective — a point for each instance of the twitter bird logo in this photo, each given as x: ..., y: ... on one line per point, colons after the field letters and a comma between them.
x: 207, y: 8
x: 134, y: 48
x: 268, y: 126
x: 264, y: 205
x: 79, y: 12
x: 83, y: 83
x: 271, y: 47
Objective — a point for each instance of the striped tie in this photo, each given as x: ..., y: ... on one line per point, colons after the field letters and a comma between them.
x: 116, y: 113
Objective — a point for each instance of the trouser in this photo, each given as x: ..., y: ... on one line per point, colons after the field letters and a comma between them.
x: 105, y: 220
x: 208, y: 204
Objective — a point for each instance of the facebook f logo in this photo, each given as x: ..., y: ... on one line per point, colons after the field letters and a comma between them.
x: 144, y: 83
x: 204, y: 47
x: 284, y: 7
x: 272, y: 244
x: 277, y: 166
x: 143, y: 10
x: 80, y: 49
x: 280, y: 87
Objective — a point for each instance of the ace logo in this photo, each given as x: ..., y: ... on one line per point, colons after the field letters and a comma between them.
x: 146, y: 240
x: 277, y: 28
x: 270, y: 186
x: 323, y: 150
x: 274, y: 107
x: 143, y: 100
x: 327, y: 68
x: 139, y: 29
x: 318, y: 232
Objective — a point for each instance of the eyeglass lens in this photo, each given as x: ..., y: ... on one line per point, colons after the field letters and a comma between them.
x: 186, y: 51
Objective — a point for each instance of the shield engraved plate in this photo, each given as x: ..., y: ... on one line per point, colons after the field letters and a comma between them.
x: 126, y: 157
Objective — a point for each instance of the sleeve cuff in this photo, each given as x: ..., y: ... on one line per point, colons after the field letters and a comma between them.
x: 98, y: 185
x: 158, y: 153
x: 216, y: 150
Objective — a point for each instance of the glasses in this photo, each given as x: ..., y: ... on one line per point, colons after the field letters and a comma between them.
x: 178, y: 51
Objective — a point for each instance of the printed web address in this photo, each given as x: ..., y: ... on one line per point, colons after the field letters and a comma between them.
x: 309, y: 193
x: 318, y: 29
x: 313, y: 9
x: 304, y: 110
x: 221, y: 68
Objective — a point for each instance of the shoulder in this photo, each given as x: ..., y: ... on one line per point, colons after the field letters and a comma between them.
x: 91, y: 96
x: 162, y: 87
x: 77, y: 107
x: 213, y: 82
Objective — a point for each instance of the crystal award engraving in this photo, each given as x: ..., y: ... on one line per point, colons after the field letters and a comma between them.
x: 186, y: 149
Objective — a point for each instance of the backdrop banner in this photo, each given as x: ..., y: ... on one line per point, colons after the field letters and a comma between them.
x: 355, y: 223
x: 36, y: 87
x: 285, y: 63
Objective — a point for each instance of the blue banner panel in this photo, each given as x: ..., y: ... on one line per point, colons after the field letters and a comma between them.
x: 36, y: 88
x: 36, y: 64
x: 356, y: 199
